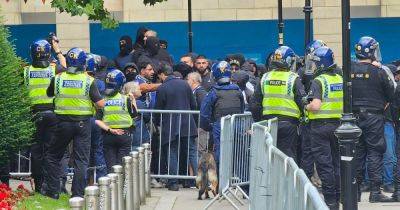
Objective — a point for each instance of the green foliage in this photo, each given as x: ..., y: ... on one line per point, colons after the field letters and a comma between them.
x: 16, y: 127
x: 94, y: 9
x: 40, y: 202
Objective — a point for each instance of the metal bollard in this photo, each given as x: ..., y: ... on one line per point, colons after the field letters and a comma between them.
x: 120, y: 186
x: 141, y: 176
x: 128, y: 181
x: 114, y: 190
x: 135, y: 175
x: 92, y: 198
x: 77, y: 203
x: 105, y: 193
x: 147, y: 159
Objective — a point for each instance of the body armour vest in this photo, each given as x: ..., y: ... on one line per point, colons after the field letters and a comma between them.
x: 228, y: 103
x: 367, y: 89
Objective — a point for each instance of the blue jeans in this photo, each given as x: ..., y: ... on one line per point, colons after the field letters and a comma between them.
x: 180, y: 147
x: 96, y: 152
x: 389, y: 158
x: 141, y: 134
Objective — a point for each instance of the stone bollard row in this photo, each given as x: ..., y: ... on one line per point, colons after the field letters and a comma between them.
x: 125, y: 189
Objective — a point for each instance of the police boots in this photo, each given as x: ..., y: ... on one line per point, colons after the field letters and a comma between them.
x: 376, y: 195
x: 396, y: 194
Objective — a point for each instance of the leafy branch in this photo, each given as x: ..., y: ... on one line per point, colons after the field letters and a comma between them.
x: 94, y: 9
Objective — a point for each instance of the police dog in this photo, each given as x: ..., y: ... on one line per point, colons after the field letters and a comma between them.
x: 207, y: 178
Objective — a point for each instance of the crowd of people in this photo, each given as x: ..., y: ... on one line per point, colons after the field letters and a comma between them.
x: 93, y: 101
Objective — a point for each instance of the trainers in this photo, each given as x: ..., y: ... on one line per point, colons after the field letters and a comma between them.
x: 155, y: 184
x: 389, y: 188
x: 173, y: 187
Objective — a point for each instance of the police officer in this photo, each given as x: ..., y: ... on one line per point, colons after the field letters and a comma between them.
x: 223, y: 99
x: 97, y: 159
x: 37, y: 79
x: 116, y: 119
x: 75, y: 95
x: 280, y: 95
x: 325, y: 111
x: 307, y: 74
x: 372, y: 90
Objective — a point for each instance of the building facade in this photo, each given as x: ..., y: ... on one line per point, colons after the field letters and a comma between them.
x: 76, y: 31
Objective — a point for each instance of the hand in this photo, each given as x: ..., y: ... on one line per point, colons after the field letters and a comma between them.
x: 55, y: 46
x: 117, y: 131
x: 377, y: 64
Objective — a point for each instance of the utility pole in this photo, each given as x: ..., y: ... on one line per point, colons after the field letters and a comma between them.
x: 348, y: 133
x: 190, y: 32
x: 280, y: 23
x: 307, y: 23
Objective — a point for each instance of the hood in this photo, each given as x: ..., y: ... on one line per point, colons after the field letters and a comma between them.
x: 152, y: 46
x: 125, y: 45
x: 139, y: 43
x: 228, y: 86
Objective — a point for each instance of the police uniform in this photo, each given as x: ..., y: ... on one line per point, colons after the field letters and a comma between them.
x: 372, y: 90
x: 328, y: 87
x: 117, y: 114
x: 222, y: 100
x: 74, y: 94
x: 37, y: 79
x: 279, y: 95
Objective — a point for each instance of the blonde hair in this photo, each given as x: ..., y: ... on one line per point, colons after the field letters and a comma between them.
x: 130, y: 87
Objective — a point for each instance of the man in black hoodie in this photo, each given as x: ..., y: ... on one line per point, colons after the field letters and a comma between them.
x: 125, y: 48
x: 138, y: 47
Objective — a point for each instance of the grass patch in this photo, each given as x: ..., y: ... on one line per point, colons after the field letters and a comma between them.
x: 41, y: 202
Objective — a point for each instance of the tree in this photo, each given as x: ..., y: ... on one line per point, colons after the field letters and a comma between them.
x: 94, y: 9
x: 16, y: 127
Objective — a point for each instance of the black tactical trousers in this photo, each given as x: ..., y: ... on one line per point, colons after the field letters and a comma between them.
x: 80, y: 134
x: 325, y: 149
x: 46, y: 124
x: 371, y: 147
x: 307, y: 158
x: 115, y: 148
x: 287, y: 138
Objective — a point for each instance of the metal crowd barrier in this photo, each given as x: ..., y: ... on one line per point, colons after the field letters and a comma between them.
x: 20, y: 172
x: 125, y: 189
x: 276, y: 182
x: 160, y: 166
x: 234, y: 157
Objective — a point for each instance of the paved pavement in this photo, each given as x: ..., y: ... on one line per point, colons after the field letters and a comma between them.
x: 186, y: 199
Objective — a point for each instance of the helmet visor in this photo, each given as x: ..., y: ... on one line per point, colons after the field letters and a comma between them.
x: 377, y: 53
x: 311, y: 67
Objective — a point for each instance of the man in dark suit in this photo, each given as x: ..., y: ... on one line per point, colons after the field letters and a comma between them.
x: 178, y: 131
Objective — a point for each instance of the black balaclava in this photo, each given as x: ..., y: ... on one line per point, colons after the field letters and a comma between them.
x: 130, y: 76
x: 140, y: 37
x: 125, y: 48
x: 152, y: 45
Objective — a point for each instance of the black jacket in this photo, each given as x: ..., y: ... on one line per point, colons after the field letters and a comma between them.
x: 175, y: 94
